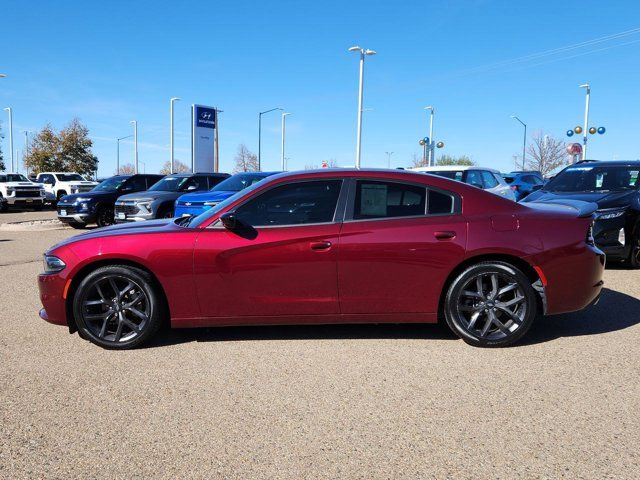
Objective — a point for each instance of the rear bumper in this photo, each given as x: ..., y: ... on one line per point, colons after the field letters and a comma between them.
x: 573, y: 278
x: 52, y: 288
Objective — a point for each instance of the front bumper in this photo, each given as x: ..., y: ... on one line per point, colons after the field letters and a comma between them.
x: 25, y: 201
x: 68, y: 213
x: 52, y: 287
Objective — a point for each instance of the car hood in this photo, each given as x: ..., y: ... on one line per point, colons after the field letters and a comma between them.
x: 602, y: 199
x: 149, y: 196
x: 21, y: 184
x: 133, y: 228
x: 217, y: 196
x: 93, y: 195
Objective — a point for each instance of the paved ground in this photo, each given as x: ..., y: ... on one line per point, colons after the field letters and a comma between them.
x: 317, y: 402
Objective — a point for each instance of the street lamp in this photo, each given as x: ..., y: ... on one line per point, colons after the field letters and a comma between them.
x: 260, y: 135
x: 363, y: 52
x: 135, y: 144
x: 432, y: 112
x: 8, y: 109
x: 282, y: 159
x: 26, y: 146
x: 171, y: 101
x: 389, y: 159
x: 524, y: 142
x: 586, y: 119
x: 118, y: 153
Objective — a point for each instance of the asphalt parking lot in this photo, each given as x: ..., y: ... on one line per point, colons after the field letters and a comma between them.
x: 315, y: 402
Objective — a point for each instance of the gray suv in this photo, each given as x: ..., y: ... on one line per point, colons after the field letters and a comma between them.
x: 157, y: 202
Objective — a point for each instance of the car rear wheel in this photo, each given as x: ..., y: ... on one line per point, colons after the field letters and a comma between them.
x: 105, y: 216
x: 490, y: 304
x: 118, y: 307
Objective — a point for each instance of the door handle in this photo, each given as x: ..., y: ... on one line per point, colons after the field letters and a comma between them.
x: 444, y: 235
x: 324, y: 245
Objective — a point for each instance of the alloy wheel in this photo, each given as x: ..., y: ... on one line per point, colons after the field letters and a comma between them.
x: 491, y: 306
x: 105, y: 217
x: 116, y: 309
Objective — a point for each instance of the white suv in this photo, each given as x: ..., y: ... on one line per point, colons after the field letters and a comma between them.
x: 17, y: 190
x: 481, y: 177
x: 59, y: 184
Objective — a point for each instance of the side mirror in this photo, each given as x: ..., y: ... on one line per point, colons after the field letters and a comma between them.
x: 191, y: 188
x: 230, y: 221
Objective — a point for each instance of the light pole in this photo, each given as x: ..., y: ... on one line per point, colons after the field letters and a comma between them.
x: 135, y: 144
x: 586, y: 119
x: 432, y: 112
x: 524, y: 142
x: 144, y: 166
x: 118, y: 153
x: 389, y: 159
x: 8, y: 109
x: 363, y: 52
x: 282, y: 159
x: 25, y: 151
x: 171, y: 101
x: 260, y: 135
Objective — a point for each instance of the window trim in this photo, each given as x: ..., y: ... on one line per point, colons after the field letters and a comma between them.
x: 337, y: 214
x: 351, y: 200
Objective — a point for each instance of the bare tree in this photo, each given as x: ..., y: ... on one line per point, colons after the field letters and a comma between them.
x: 246, y: 160
x: 546, y: 154
x: 178, y: 167
x: 126, y: 169
x: 419, y: 160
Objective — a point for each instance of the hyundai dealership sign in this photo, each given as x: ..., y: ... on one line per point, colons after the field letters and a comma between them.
x: 203, y: 129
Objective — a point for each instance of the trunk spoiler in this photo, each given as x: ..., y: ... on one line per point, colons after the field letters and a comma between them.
x: 580, y: 208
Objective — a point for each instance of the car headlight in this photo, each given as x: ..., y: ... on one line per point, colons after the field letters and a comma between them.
x: 10, y: 190
x: 53, y: 264
x: 82, y: 199
x: 211, y: 204
x: 145, y: 205
x: 42, y: 194
x: 609, y: 214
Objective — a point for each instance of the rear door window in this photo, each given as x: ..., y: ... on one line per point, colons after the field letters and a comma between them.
x: 377, y: 199
x: 474, y: 178
x: 488, y: 179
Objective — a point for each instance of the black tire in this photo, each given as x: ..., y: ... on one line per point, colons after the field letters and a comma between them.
x: 77, y: 225
x: 118, y: 307
x: 105, y: 217
x: 4, y: 206
x: 38, y: 208
x: 478, y: 313
x: 166, y: 212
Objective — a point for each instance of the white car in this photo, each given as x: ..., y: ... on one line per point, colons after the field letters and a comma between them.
x: 59, y: 184
x: 481, y: 177
x: 17, y: 190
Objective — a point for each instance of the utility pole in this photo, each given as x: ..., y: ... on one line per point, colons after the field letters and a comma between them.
x: 363, y: 52
x: 283, y: 162
x: 585, y: 130
x: 389, y: 159
x: 8, y: 109
x: 135, y: 144
x: 432, y: 112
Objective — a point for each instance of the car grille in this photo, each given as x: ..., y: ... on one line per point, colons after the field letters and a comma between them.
x: 126, y: 209
x: 27, y: 192
x: 70, y: 209
x: 191, y: 204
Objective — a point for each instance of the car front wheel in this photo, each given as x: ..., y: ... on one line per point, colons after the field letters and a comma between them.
x: 490, y: 304
x: 118, y: 307
x: 105, y: 216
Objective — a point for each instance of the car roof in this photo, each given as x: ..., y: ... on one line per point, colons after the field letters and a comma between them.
x: 611, y: 163
x: 449, y: 168
x: 197, y: 174
x: 59, y: 173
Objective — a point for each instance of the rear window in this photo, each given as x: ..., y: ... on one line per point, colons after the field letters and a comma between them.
x: 439, y: 203
x: 388, y: 199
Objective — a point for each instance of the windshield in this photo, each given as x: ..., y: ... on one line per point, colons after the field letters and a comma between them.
x: 70, y: 177
x: 110, y: 184
x: 592, y: 178
x: 452, y: 174
x: 13, y: 177
x: 174, y: 184
x: 197, y: 221
x: 238, y: 182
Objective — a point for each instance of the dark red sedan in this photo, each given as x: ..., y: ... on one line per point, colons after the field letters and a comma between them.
x: 333, y: 246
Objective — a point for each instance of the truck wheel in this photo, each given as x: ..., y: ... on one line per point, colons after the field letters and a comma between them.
x: 77, y: 225
x: 634, y: 254
x: 105, y: 216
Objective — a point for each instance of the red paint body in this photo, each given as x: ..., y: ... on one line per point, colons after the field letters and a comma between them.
x: 382, y: 270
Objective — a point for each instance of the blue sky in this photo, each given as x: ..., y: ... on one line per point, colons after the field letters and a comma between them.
x: 110, y: 62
